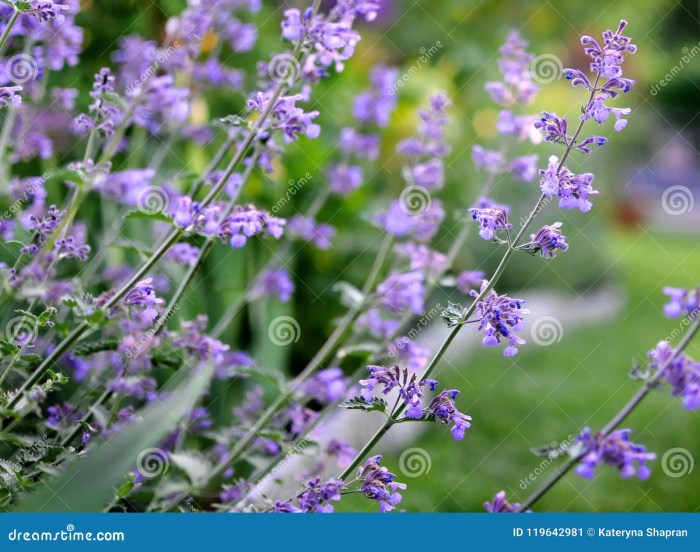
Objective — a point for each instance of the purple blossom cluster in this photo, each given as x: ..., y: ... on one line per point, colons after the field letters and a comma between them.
x: 380, y: 485
x: 616, y: 450
x: 244, y: 221
x: 679, y: 371
x: 500, y: 318
x: 441, y: 409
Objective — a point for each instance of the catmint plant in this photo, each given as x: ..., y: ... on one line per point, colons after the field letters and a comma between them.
x: 106, y: 246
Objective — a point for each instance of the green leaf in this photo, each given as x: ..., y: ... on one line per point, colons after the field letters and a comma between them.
x: 358, y: 403
x: 8, y: 349
x: 91, y: 483
x: 31, y: 357
x: 46, y: 316
x: 87, y: 349
x: 151, y: 215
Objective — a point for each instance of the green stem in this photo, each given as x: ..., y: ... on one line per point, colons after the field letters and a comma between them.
x: 8, y: 29
x: 313, y: 365
x: 615, y: 422
x: 74, y: 336
x: 359, y: 458
x: 470, y: 311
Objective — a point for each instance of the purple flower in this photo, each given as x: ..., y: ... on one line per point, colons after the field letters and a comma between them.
x: 304, y: 228
x: 501, y: 318
x: 524, y: 168
x: 682, y: 373
x: 413, y: 355
x: 342, y: 451
x: 466, y: 281
x: 409, y: 388
x: 247, y: 221
x: 491, y: 161
x: 274, y: 282
x: 9, y: 96
x: 143, y: 295
x: 573, y: 190
x: 364, y: 146
x: 491, y: 221
x: 379, y: 484
x: 377, y: 325
x: 514, y: 63
x: 183, y: 254
x: 316, y: 497
x: 422, y: 257
x: 548, y: 241
x: 430, y: 140
x: 105, y: 114
x: 286, y: 116
x: 444, y: 410
x: 326, y: 386
x: 500, y: 505
x: 681, y: 302
x: 45, y: 11
x: 59, y: 413
x: 402, y: 292
x: 344, y: 178
x: 401, y: 220
x: 430, y: 175
x: 615, y: 450
x: 375, y: 105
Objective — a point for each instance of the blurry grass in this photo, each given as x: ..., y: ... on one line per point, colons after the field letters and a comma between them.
x: 548, y: 393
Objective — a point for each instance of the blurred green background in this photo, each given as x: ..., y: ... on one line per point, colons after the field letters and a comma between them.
x: 627, y: 243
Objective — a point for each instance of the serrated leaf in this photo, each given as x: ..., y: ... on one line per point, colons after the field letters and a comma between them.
x: 28, y: 314
x: 8, y: 349
x: 151, y: 215
x: 31, y: 357
x: 358, y: 403
x: 46, y: 316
